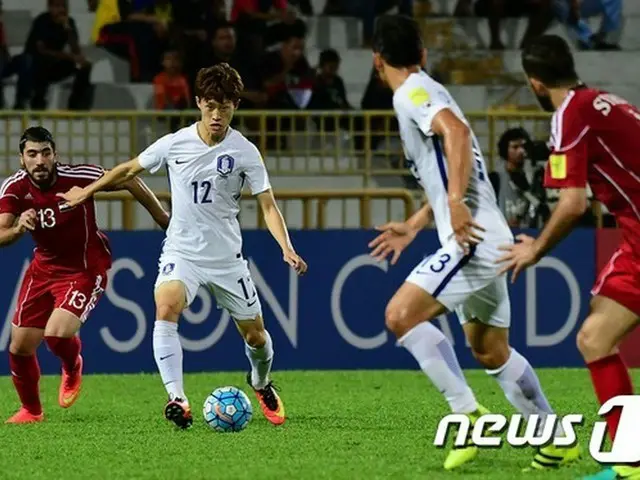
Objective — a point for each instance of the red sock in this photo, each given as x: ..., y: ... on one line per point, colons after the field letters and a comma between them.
x: 66, y: 349
x: 610, y: 378
x: 25, y: 373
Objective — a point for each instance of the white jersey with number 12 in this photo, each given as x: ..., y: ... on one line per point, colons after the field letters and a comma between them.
x: 206, y: 185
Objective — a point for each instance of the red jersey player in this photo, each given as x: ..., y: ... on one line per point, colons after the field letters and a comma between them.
x: 595, y: 138
x: 68, y: 273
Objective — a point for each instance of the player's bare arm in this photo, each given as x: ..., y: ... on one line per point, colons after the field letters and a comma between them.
x: 11, y: 229
x: 571, y: 207
x: 396, y: 236
x: 121, y: 173
x: 147, y: 199
x: 457, y: 145
x: 278, y: 228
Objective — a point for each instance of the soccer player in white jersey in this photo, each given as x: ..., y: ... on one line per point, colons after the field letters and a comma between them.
x: 208, y: 164
x: 461, y: 276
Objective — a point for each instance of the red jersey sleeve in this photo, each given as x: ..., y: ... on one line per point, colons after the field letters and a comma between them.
x: 10, y: 195
x: 568, y: 164
x: 80, y: 175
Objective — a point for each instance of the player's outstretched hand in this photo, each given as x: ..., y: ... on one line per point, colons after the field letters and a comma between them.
x: 464, y: 228
x: 27, y: 220
x: 519, y: 256
x: 295, y: 261
x: 393, y: 240
x: 74, y: 197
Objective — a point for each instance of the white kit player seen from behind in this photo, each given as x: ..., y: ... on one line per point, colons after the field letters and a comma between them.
x: 208, y: 164
x: 462, y: 276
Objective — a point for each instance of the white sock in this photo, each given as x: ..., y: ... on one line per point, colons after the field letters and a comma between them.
x: 168, y: 354
x: 261, y: 359
x: 438, y: 361
x: 522, y: 388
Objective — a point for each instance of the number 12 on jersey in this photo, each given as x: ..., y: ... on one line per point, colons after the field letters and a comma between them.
x: 202, y: 192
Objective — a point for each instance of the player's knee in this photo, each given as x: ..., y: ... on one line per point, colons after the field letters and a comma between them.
x: 398, y: 319
x: 168, y: 311
x: 255, y: 338
x: 16, y: 347
x: 592, y: 346
x: 253, y: 332
x: 491, y: 352
x: 492, y: 358
x: 169, y: 307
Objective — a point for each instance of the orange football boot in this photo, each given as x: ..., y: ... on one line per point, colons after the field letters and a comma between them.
x: 25, y: 416
x: 71, y: 385
x: 178, y: 411
x: 270, y: 403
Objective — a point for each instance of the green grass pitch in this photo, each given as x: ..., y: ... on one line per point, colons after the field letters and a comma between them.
x: 341, y: 425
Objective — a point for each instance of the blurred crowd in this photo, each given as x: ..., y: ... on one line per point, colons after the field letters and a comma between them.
x: 166, y: 42
x: 573, y: 14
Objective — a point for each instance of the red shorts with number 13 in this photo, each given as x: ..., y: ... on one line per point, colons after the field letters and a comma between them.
x: 41, y: 293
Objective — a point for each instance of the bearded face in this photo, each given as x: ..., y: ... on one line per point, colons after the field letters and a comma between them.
x: 39, y: 160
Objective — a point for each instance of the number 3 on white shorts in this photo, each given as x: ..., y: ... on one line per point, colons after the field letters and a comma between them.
x: 433, y: 264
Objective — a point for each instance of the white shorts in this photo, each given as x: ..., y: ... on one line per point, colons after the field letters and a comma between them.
x: 468, y: 285
x: 232, y: 286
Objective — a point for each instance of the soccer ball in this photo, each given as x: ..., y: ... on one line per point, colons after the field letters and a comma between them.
x: 227, y: 409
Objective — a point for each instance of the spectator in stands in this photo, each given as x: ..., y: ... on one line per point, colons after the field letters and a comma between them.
x: 261, y: 23
x: 223, y: 44
x: 329, y: 92
x: 127, y: 28
x: 49, y: 61
x: 572, y: 13
x: 9, y: 66
x: 512, y: 181
x: 378, y: 96
x: 288, y: 75
x: 223, y: 50
x: 170, y: 87
x: 539, y: 13
x: 368, y: 11
x: 288, y: 80
x: 518, y: 182
x: 195, y: 24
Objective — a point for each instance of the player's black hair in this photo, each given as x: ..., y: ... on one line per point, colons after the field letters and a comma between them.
x: 398, y: 40
x: 328, y: 56
x: 509, y: 136
x: 548, y: 59
x: 38, y: 135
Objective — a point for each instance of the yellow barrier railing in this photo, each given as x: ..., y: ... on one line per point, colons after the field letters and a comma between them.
x: 387, y: 203
x: 365, y: 144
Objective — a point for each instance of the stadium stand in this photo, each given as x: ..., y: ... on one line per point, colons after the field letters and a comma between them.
x: 481, y: 80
